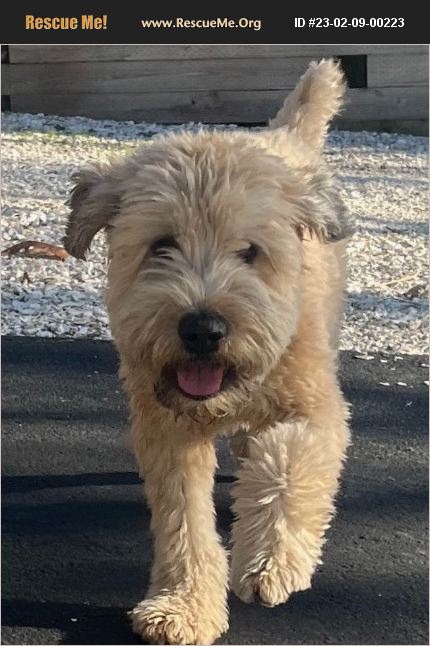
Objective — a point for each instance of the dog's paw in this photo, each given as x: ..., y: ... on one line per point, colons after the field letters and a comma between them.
x: 271, y: 585
x: 169, y: 619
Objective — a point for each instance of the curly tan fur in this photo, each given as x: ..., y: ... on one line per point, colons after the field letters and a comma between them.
x: 214, y: 194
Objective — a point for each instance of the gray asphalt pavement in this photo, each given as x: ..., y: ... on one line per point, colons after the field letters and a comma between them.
x: 76, y: 542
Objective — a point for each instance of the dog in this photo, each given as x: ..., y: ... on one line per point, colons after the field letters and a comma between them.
x: 225, y: 288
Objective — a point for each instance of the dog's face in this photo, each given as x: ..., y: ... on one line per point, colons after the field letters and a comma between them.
x: 204, y: 275
x: 205, y: 245
x: 205, y: 263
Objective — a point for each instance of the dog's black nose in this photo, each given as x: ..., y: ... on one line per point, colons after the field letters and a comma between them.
x: 201, y: 332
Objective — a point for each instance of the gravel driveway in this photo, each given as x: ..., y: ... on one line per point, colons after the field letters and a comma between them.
x: 385, y: 185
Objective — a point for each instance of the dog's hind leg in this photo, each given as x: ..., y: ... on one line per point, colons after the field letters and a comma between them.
x: 284, y: 500
x: 186, y: 601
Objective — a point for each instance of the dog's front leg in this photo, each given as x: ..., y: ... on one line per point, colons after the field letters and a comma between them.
x: 284, y: 499
x: 186, y: 601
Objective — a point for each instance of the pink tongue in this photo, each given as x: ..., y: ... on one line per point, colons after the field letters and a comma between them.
x: 200, y: 380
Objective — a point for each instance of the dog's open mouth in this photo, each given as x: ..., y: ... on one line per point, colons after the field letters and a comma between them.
x: 199, y: 379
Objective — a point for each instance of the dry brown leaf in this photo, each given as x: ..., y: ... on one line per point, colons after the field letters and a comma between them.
x: 37, y: 249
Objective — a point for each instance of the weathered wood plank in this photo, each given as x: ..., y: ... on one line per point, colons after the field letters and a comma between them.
x: 222, y: 107
x: 387, y: 103
x: 151, y: 76
x: 83, y: 53
x: 397, y: 70
x: 398, y: 126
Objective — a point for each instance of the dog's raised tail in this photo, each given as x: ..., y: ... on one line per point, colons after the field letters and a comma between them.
x: 312, y: 104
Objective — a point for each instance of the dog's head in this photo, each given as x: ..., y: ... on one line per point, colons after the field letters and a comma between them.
x: 205, y: 245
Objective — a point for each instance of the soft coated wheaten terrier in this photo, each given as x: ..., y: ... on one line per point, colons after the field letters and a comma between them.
x: 226, y: 273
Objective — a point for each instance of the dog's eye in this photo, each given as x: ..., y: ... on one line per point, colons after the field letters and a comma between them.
x: 162, y: 246
x: 249, y: 254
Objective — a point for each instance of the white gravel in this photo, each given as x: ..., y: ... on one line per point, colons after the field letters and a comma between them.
x: 385, y: 185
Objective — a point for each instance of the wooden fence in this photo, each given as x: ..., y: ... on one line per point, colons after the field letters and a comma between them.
x: 212, y: 83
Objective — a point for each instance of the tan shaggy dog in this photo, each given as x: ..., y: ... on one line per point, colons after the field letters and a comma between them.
x: 226, y: 274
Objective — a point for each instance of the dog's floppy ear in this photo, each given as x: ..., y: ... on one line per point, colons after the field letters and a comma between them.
x: 322, y: 210
x: 94, y: 202
x: 315, y: 100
